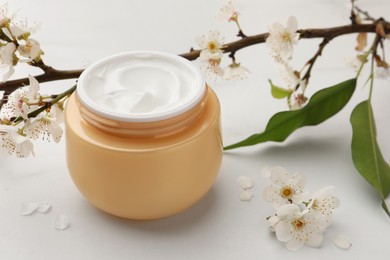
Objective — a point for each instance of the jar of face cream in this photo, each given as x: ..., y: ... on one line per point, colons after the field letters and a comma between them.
x: 143, y: 138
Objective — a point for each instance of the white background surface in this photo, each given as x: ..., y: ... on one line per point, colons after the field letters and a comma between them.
x: 75, y: 33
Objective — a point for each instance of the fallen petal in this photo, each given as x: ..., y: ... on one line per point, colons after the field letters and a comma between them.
x: 266, y: 172
x: 61, y: 222
x: 28, y: 208
x: 246, y: 195
x: 43, y: 207
x: 342, y: 241
x: 245, y: 182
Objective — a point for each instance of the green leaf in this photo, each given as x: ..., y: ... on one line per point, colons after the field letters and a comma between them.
x: 366, y: 154
x: 323, y: 105
x: 278, y: 92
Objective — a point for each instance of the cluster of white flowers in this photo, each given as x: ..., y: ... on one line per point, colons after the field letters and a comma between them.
x: 281, y: 41
x: 211, y: 55
x: 15, y: 44
x: 17, y: 129
x: 298, y: 222
x: 212, y: 49
x: 282, y: 38
x: 228, y: 12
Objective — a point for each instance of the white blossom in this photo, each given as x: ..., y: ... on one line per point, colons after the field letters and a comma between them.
x: 14, y: 142
x: 213, y: 68
x: 323, y: 202
x: 282, y: 38
x: 228, y: 12
x: 297, y: 222
x: 236, y: 72
x: 299, y: 100
x: 7, y: 61
x: 290, y: 76
x: 211, y: 52
x: 15, y: 107
x: 22, y: 101
x: 45, y: 125
x: 285, y: 188
x: 4, y: 16
x: 297, y: 228
x: 30, y: 50
x: 211, y: 46
x: 293, y: 83
x: 21, y: 29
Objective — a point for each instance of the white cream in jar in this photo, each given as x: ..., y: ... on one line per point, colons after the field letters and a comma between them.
x: 141, y: 87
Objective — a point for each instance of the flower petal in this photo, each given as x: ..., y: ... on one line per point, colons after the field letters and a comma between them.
x: 292, y: 24
x: 246, y: 195
x: 273, y: 220
x: 6, y: 72
x: 298, y: 181
x: 266, y: 172
x: 214, y: 35
x: 271, y: 193
x: 342, y: 241
x: 295, y: 243
x: 56, y: 131
x: 34, y: 84
x: 279, y: 176
x: 245, y: 182
x: 28, y: 208
x: 288, y: 211
x: 61, y: 222
x: 298, y: 197
x: 43, y: 208
x: 201, y: 41
x: 314, y: 239
x: 282, y: 230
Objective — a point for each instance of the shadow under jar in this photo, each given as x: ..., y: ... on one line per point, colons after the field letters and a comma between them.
x: 143, y: 137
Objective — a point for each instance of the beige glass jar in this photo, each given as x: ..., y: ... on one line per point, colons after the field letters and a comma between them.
x: 143, y: 138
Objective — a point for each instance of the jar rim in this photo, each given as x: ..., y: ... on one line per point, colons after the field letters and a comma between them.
x: 192, y: 100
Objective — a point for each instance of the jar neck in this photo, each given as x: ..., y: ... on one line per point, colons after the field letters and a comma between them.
x: 160, y: 128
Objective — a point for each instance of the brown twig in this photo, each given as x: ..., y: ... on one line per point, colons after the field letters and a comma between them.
x: 51, y: 74
x: 367, y: 16
x: 311, y: 62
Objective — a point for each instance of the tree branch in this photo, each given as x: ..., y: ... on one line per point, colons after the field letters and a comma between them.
x: 51, y: 74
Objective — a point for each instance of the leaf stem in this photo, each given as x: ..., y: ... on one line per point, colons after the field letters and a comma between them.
x: 371, y: 77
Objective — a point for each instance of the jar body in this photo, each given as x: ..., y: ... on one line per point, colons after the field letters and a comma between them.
x: 146, y: 177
